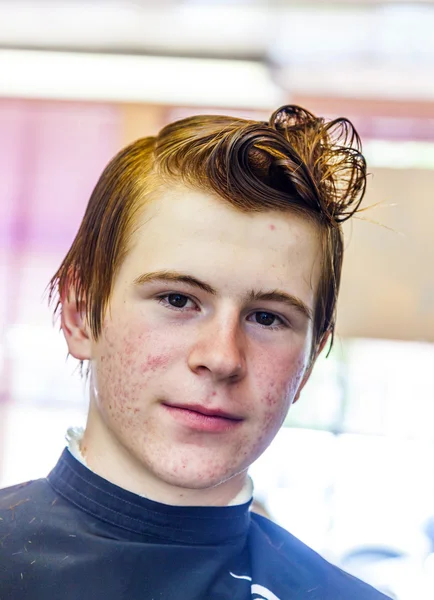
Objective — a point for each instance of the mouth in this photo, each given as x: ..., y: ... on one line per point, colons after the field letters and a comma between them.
x: 208, y: 412
x: 200, y: 418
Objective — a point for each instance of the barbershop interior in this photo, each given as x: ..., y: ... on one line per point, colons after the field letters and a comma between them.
x: 348, y: 474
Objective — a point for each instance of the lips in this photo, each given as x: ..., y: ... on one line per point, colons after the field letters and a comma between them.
x: 208, y: 412
x: 195, y: 418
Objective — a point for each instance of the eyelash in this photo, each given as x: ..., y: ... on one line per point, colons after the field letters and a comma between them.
x: 163, y: 299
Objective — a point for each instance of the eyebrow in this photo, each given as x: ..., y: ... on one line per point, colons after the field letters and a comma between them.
x: 176, y: 277
x: 254, y: 296
x: 284, y: 298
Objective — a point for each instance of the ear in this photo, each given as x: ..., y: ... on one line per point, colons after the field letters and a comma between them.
x: 308, y: 372
x: 75, y: 327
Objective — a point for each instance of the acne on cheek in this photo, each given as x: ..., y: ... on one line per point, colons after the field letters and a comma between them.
x: 127, y: 350
x: 154, y: 362
x: 124, y: 370
x: 273, y: 395
x: 271, y: 399
x: 291, y: 371
x: 281, y: 387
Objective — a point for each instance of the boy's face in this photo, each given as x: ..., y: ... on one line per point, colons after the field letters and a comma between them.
x: 207, y: 339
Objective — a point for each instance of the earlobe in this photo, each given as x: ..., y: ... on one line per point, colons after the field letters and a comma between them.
x: 75, y: 327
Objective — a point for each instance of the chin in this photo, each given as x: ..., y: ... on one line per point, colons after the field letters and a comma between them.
x: 194, y: 481
x: 193, y: 477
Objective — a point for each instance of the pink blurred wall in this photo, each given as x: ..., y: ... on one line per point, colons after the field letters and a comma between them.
x: 51, y: 154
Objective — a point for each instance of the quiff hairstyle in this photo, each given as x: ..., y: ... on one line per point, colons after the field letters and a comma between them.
x: 296, y: 162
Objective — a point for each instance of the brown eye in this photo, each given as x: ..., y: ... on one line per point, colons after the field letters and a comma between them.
x: 177, y: 300
x: 264, y: 318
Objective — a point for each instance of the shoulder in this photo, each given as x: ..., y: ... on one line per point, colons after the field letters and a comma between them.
x: 23, y: 506
x: 316, y: 578
x: 24, y: 500
x: 29, y: 492
x: 19, y: 494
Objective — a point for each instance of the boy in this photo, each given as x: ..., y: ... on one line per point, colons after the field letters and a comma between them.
x: 200, y: 289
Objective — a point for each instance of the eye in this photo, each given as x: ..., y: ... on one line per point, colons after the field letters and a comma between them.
x: 267, y: 319
x: 264, y: 318
x: 177, y: 301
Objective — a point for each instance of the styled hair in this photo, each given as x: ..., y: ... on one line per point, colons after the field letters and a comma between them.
x: 296, y: 162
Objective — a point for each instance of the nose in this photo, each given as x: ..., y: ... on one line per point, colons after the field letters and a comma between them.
x: 219, y: 351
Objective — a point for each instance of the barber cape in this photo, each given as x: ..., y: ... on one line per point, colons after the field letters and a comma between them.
x: 76, y: 536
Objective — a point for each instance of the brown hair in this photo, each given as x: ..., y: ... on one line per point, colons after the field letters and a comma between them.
x: 295, y: 162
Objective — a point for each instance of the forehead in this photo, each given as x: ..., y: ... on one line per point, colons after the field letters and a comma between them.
x: 190, y: 230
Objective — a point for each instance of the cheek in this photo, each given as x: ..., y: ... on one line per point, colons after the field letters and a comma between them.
x: 276, y: 387
x: 129, y: 359
x: 278, y: 383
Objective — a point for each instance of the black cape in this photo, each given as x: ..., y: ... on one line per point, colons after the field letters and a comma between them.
x: 76, y: 536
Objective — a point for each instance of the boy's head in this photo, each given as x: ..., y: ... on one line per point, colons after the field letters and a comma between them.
x: 201, y: 286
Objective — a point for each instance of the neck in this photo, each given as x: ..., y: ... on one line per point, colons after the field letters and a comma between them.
x: 103, y: 454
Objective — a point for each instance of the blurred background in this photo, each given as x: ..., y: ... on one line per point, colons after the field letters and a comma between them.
x: 351, y: 474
